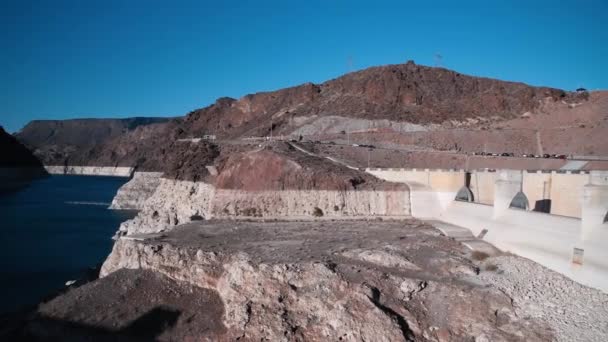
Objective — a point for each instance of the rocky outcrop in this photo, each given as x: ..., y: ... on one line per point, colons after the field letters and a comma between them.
x: 311, y: 203
x: 56, y: 142
x: 133, y: 194
x: 352, y: 281
x: 332, y: 124
x: 138, y: 305
x: 18, y: 166
x: 272, y: 182
x: 173, y: 202
x: 90, y: 170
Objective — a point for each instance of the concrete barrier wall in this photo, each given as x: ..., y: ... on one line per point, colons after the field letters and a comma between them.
x: 443, y: 183
x: 544, y: 238
x: 567, y: 193
x: 482, y: 186
x: 547, y: 238
x: 563, y: 190
x: 537, y: 187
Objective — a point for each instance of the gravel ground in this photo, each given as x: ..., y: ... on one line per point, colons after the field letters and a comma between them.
x: 575, y: 312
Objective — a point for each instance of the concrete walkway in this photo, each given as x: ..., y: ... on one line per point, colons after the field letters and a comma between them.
x: 574, y: 165
x: 464, y: 236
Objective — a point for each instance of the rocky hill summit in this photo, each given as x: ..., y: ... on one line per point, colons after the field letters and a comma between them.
x: 401, y: 97
x: 405, y: 92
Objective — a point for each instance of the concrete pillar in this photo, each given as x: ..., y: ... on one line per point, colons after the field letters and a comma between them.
x: 594, y: 204
x: 508, y: 183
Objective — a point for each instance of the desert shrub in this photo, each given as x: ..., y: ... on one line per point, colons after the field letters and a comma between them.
x: 317, y: 212
x: 336, y: 208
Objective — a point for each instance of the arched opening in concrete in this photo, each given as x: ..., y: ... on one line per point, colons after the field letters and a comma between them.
x: 520, y: 201
x: 464, y: 195
x: 606, y: 218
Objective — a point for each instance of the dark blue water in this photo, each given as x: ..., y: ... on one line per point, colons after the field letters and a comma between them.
x: 53, y: 231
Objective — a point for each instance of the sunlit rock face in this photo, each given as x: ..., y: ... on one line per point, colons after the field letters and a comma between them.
x: 343, y: 280
x: 133, y: 194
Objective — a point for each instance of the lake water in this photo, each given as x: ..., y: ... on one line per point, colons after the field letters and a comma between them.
x: 53, y: 231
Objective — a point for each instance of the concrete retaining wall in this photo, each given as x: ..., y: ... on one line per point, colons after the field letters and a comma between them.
x: 562, y: 189
x: 577, y: 219
x: 544, y: 238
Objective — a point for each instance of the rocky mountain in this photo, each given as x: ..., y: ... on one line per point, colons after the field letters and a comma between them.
x: 17, y: 164
x: 14, y: 154
x: 398, y: 98
x: 57, y: 141
x: 406, y: 93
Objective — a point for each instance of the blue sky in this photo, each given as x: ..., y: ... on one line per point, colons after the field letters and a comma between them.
x: 65, y: 59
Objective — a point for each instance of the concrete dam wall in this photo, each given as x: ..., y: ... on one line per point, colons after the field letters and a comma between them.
x: 558, y: 219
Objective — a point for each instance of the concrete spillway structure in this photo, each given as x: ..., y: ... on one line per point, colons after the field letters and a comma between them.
x: 558, y: 218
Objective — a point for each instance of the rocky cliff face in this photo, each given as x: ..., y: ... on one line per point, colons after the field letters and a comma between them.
x: 133, y: 194
x: 351, y: 281
x: 173, y: 202
x: 271, y: 182
x: 18, y: 165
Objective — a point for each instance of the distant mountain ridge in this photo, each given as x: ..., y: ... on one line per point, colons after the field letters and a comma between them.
x: 403, y: 93
x: 53, y: 140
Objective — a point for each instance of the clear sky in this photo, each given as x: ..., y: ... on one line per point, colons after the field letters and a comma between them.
x: 65, y: 59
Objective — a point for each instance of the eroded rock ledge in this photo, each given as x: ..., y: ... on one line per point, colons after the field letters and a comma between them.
x: 354, y: 281
x: 271, y: 182
x: 133, y: 194
x: 119, y: 171
x: 175, y: 202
